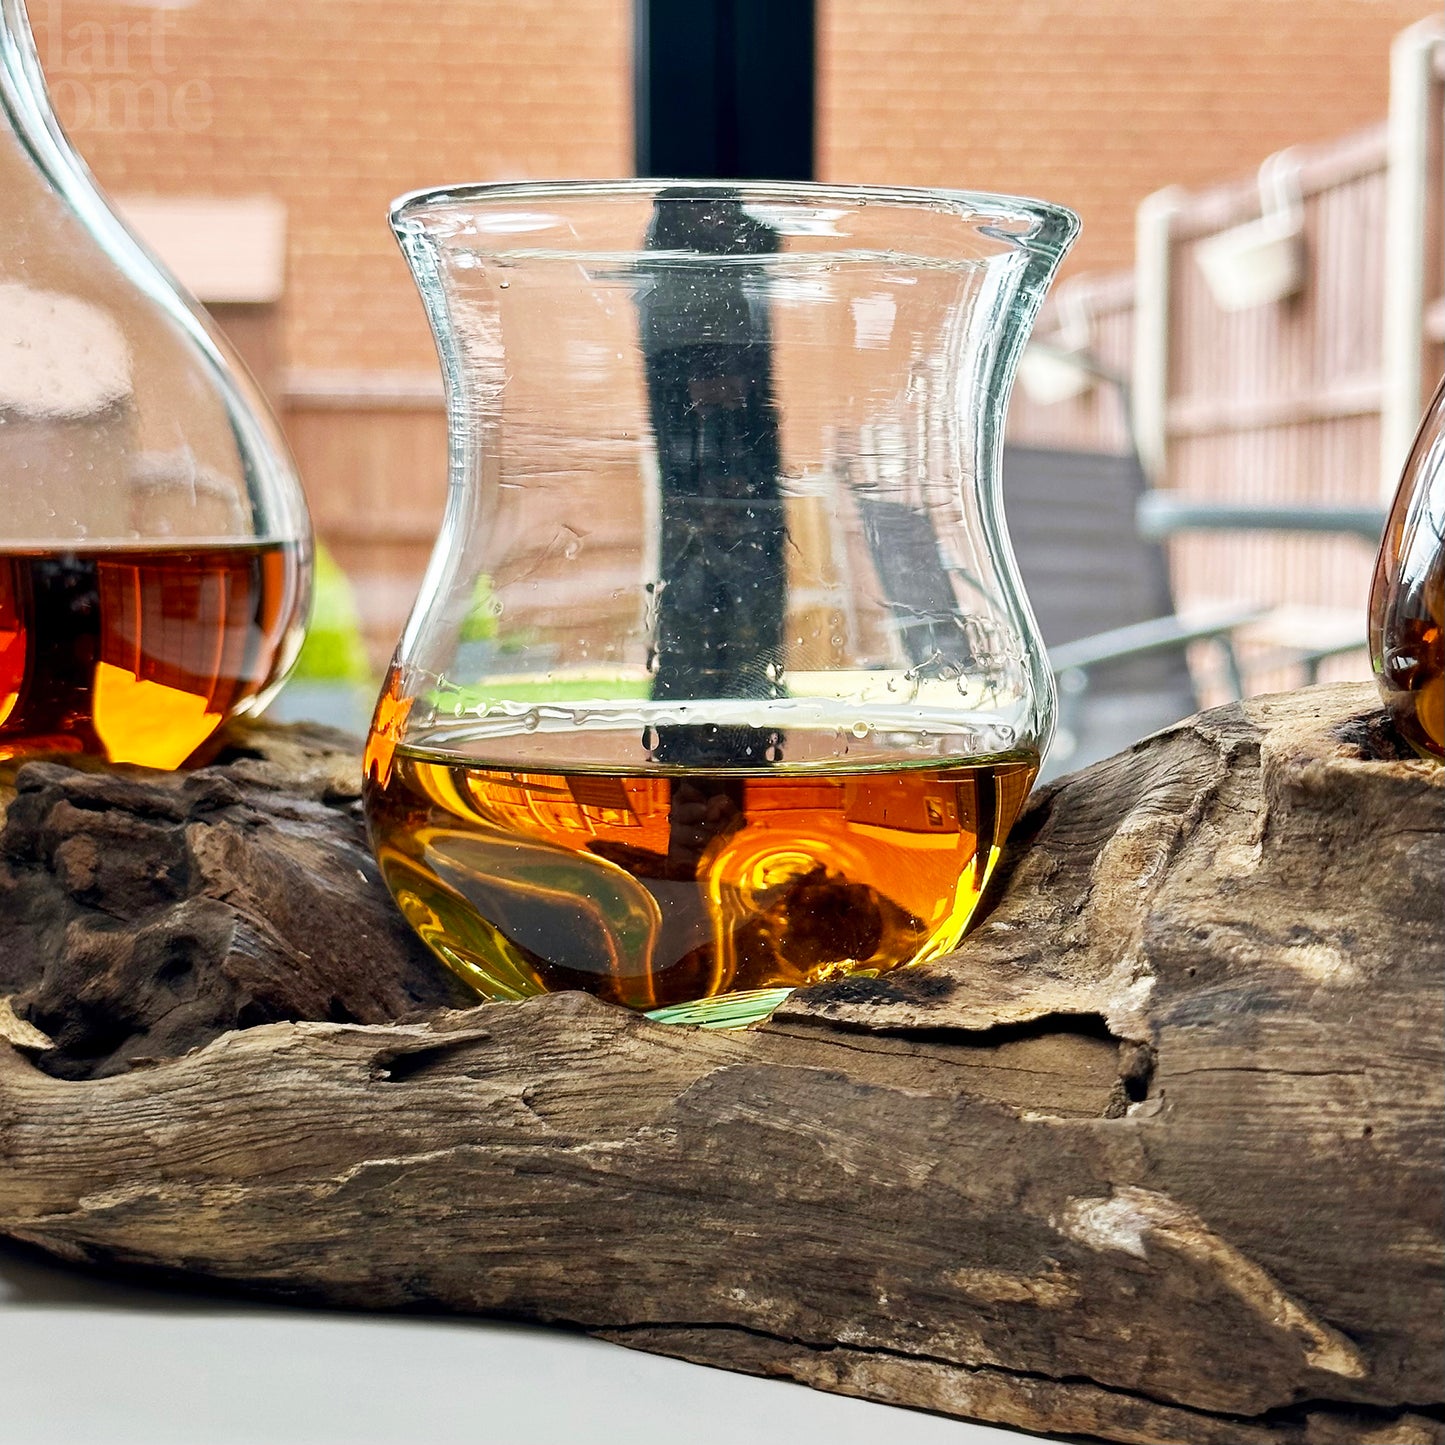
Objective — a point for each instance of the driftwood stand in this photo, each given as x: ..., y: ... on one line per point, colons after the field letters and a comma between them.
x: 1156, y: 1157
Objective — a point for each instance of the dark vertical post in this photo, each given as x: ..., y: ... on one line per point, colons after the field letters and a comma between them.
x: 721, y: 590
x: 724, y: 89
x: 720, y: 595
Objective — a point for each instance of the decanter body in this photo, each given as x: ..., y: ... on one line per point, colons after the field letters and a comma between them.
x: 154, y: 542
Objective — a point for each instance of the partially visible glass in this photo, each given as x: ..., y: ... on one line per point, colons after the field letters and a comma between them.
x: 154, y: 543
x: 1407, y: 599
x: 721, y: 679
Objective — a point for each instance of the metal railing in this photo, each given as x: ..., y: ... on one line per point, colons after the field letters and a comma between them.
x: 1282, y: 335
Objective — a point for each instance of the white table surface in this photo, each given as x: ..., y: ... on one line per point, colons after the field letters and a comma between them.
x: 88, y: 1361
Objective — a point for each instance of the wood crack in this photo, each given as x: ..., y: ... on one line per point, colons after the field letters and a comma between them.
x: 1291, y: 1412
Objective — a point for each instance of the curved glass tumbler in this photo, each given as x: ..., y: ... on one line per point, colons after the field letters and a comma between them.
x: 1407, y: 599
x: 721, y: 680
x: 154, y: 543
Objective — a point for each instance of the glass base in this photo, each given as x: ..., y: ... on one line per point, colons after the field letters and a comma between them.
x: 725, y: 1010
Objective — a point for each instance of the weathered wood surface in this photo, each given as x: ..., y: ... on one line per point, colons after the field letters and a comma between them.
x: 1159, y: 1156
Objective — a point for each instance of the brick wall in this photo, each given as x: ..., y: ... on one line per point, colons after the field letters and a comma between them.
x: 336, y: 106
x: 1094, y: 103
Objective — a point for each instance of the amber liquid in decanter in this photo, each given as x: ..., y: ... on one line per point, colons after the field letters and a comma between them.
x: 654, y: 889
x: 138, y: 654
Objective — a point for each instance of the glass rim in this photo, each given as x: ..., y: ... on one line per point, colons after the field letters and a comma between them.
x: 1055, y: 225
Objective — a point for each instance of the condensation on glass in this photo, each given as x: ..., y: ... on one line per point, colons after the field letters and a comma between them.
x: 721, y: 679
x: 154, y: 543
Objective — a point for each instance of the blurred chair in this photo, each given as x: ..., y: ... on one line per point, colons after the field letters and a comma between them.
x: 1089, y: 532
x: 1100, y: 590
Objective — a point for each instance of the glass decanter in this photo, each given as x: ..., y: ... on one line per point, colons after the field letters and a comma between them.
x: 1407, y: 599
x: 154, y: 543
x: 721, y: 680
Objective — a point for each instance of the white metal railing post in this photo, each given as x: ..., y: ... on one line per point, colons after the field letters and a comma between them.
x: 1412, y: 67
x: 1149, y: 399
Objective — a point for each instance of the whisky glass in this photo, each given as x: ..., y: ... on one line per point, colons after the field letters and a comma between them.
x: 721, y: 680
x: 154, y: 542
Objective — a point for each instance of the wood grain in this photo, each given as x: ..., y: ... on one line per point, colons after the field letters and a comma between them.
x: 1155, y: 1157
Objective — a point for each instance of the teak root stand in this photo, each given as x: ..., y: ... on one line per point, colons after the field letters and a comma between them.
x: 1156, y: 1156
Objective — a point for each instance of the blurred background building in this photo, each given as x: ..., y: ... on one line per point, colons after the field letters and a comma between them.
x: 257, y: 147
